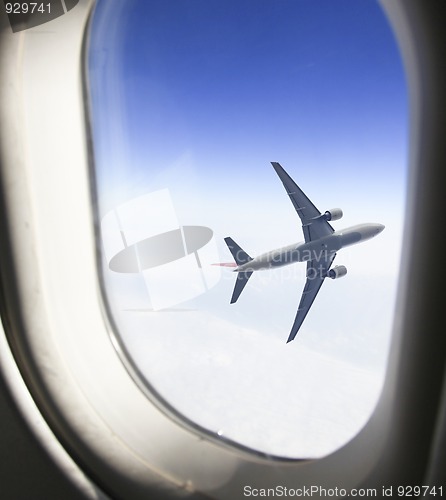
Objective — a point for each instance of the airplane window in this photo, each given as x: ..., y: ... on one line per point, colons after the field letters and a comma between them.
x: 190, y: 102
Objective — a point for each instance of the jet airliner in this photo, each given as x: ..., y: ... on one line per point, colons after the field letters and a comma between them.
x: 318, y: 250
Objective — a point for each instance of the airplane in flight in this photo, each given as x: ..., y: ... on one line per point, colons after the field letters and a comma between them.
x: 318, y: 250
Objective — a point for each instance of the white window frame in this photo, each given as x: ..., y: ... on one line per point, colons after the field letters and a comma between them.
x: 59, y: 333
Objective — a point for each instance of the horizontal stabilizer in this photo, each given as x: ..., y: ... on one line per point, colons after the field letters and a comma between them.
x: 240, y: 256
x: 240, y: 283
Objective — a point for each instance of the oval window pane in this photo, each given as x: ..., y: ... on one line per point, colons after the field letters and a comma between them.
x: 190, y: 103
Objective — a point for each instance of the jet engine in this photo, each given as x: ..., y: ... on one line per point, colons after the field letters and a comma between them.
x: 337, y: 272
x: 333, y: 214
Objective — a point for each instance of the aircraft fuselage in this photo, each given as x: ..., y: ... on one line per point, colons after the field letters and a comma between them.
x: 301, y: 252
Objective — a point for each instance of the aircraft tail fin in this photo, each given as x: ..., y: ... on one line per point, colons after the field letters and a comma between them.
x: 240, y: 283
x: 240, y: 256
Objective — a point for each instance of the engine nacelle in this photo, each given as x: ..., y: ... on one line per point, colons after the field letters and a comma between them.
x: 333, y: 214
x: 337, y: 272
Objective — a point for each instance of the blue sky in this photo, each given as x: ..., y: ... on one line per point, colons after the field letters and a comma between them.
x: 238, y: 84
x: 198, y: 97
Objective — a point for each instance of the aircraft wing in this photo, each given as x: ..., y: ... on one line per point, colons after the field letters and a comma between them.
x: 314, y: 225
x: 316, y: 272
